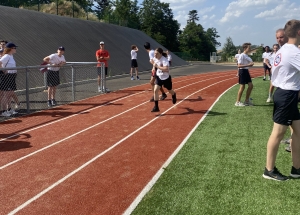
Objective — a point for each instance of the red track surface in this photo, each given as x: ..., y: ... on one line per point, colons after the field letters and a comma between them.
x: 95, y: 156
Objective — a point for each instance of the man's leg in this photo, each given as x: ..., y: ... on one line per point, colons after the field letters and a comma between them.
x: 240, y: 92
x: 249, y: 90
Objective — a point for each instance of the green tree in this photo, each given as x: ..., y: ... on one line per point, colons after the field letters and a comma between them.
x: 212, y: 35
x: 229, y: 48
x: 193, y: 16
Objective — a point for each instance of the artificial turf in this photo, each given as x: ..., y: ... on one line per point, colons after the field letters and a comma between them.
x: 219, y: 169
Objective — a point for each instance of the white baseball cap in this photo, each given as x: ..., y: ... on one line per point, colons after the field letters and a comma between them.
x: 101, y: 43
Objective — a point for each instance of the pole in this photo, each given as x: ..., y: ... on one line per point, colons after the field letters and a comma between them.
x: 56, y: 7
x: 73, y: 7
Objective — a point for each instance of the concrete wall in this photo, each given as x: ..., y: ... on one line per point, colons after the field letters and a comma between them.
x: 38, y: 35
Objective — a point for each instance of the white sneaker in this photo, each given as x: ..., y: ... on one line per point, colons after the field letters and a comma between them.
x: 269, y: 100
x: 5, y: 113
x: 239, y: 104
x: 12, y: 112
x: 99, y: 89
x: 268, y: 78
x: 248, y: 103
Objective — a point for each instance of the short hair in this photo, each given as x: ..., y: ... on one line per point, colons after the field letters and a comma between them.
x: 245, y: 45
x: 291, y: 28
x: 147, y: 45
x: 161, y: 51
x: 133, y: 47
x: 280, y: 29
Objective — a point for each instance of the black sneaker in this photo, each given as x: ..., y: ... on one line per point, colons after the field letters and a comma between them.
x: 174, y: 99
x: 152, y: 99
x: 163, y: 97
x: 49, y: 103
x: 155, y: 109
x: 288, y: 148
x: 274, y: 175
x: 53, y: 102
x: 295, y: 173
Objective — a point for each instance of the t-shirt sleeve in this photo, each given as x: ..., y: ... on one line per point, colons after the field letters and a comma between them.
x: 240, y: 59
x: 295, y: 61
x: 4, y: 60
x: 151, y: 55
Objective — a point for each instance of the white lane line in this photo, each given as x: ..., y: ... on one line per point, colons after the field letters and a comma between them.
x: 102, y: 153
x: 151, y: 183
x: 88, y: 128
x: 73, y: 115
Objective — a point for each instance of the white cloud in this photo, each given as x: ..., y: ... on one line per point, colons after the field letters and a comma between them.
x: 237, y: 8
x: 206, y: 10
x: 282, y: 11
x: 213, y: 16
x: 237, y: 28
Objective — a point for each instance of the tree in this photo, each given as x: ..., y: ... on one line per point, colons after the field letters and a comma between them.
x: 102, y: 8
x: 212, y: 35
x: 229, y: 48
x: 193, y: 16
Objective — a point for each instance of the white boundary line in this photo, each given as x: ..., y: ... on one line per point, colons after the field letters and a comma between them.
x: 151, y: 183
x: 88, y: 128
x: 102, y: 153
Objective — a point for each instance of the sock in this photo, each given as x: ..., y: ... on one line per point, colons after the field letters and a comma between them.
x: 270, y: 95
x: 156, y: 104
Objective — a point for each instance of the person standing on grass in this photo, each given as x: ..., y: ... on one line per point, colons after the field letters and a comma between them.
x: 153, y: 74
x: 134, y: 64
x: 265, y: 57
x: 286, y: 79
x: 236, y: 57
x: 103, y: 56
x: 269, y: 63
x: 55, y: 61
x: 163, y: 78
x: 244, y: 62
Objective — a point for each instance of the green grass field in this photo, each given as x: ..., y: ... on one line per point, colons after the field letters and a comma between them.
x: 219, y: 170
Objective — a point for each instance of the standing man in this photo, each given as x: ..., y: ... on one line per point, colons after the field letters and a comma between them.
x: 102, y: 55
x: 153, y: 75
x: 286, y: 77
x: 55, y: 61
x: 236, y: 58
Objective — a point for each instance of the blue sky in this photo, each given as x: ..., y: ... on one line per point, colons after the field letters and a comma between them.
x: 253, y: 21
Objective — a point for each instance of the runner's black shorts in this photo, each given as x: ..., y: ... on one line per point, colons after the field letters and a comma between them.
x: 8, y: 82
x: 285, y: 107
x: 53, y: 78
x: 99, y: 71
x: 134, y: 63
x: 244, y: 76
x: 166, y: 83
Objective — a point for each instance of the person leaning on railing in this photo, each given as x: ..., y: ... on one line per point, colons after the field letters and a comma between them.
x: 8, y: 82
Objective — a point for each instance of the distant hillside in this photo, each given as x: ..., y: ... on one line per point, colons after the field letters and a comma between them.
x: 39, y: 34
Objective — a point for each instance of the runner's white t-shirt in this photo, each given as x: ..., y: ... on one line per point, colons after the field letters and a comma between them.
x: 162, y: 62
x: 265, y: 55
x: 8, y: 61
x: 151, y: 54
x: 244, y: 60
x: 286, y: 68
x: 271, y: 58
x: 169, y: 57
x: 55, y: 59
x: 237, y: 56
x: 133, y: 54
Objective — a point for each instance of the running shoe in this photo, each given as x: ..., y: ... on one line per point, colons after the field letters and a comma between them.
x: 295, y: 173
x: 155, y: 109
x: 137, y: 78
x: 269, y: 100
x: 174, y: 99
x: 132, y: 78
x: 53, y: 102
x: 163, y: 97
x: 239, y: 104
x: 5, y: 113
x: 249, y: 103
x: 274, y: 175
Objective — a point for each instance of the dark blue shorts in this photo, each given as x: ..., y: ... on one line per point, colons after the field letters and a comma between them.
x: 166, y: 83
x: 244, y: 76
x: 134, y: 63
x: 285, y: 107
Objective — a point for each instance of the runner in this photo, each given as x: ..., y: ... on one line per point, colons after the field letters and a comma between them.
x: 153, y: 75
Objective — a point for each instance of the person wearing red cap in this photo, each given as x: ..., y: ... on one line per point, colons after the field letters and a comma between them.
x: 56, y: 61
x: 102, y: 55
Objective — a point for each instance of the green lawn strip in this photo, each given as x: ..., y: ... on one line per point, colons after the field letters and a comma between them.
x: 219, y: 170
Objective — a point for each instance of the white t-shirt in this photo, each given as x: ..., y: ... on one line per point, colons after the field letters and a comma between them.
x: 169, y: 57
x: 244, y: 60
x: 286, y: 68
x: 162, y: 62
x: 8, y: 61
x: 151, y: 54
x: 237, y: 56
x: 133, y: 54
x: 271, y: 58
x: 55, y: 59
x: 265, y: 56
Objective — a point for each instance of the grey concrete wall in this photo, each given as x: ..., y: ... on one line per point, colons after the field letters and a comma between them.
x: 38, y: 35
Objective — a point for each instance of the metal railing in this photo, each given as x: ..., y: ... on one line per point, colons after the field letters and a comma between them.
x: 77, y: 80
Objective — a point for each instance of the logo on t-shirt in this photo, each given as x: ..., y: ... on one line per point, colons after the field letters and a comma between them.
x: 277, y: 59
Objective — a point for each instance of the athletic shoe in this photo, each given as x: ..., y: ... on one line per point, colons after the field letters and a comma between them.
x: 5, y: 113
x: 53, y: 102
x: 274, y: 175
x: 163, y: 97
x: 264, y: 78
x: 249, y: 103
x: 155, y: 109
x: 12, y: 112
x: 286, y: 141
x: 295, y: 173
x: 49, y: 103
x: 174, y: 99
x: 137, y: 78
x: 269, y: 100
x: 239, y: 104
x: 99, y: 89
x: 132, y: 78
x: 107, y: 90
x: 152, y: 99
x: 288, y: 148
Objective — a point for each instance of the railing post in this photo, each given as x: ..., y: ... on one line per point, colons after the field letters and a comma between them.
x: 27, y: 91
x: 73, y: 82
x: 103, y: 81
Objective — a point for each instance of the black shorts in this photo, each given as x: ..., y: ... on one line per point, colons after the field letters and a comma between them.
x: 244, y: 76
x: 99, y: 71
x: 53, y: 78
x: 134, y: 63
x: 266, y: 67
x: 285, y: 107
x: 8, y: 82
x: 166, y: 83
x: 170, y: 63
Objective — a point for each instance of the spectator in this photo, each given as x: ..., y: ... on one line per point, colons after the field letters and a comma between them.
x: 169, y: 57
x: 236, y: 57
x: 265, y: 57
x: 102, y: 55
x: 134, y: 64
x: 8, y: 83
x: 55, y: 60
x: 269, y: 63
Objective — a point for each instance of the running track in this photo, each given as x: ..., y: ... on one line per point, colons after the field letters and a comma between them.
x: 97, y: 155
